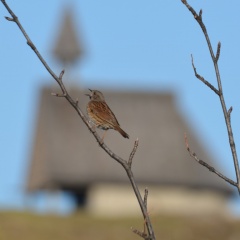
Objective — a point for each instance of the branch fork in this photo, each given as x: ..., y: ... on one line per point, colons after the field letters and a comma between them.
x: 202, y: 78
x: 143, y: 233
x: 203, y: 163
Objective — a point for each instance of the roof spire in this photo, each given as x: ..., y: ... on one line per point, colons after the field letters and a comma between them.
x: 67, y: 48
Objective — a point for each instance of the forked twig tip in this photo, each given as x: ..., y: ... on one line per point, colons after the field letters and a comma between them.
x: 9, y: 19
x: 200, y: 13
x: 218, y: 51
x: 229, y: 111
x: 192, y: 60
x: 133, y: 152
x: 192, y: 57
x: 61, y: 74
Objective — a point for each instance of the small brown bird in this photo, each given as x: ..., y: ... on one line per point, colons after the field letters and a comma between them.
x: 101, y: 115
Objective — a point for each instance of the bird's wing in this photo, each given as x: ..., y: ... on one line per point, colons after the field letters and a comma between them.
x: 103, y: 111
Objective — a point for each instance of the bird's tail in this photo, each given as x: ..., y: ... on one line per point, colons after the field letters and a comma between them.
x: 124, y: 134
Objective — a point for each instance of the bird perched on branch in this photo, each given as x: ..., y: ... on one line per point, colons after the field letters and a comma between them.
x: 101, y: 115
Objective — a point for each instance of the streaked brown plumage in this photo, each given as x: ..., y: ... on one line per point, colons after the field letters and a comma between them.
x: 100, y: 114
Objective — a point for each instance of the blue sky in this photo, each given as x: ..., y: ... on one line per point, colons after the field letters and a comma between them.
x: 129, y: 45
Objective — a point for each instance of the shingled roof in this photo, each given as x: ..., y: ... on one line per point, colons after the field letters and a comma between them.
x: 66, y: 156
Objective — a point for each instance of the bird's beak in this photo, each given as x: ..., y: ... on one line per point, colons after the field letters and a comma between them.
x: 87, y: 94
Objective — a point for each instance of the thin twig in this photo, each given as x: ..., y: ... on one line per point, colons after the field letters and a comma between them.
x: 200, y: 14
x: 209, y: 167
x: 61, y: 75
x: 202, y: 78
x: 229, y: 112
x: 151, y: 234
x: 220, y: 91
x: 145, y: 203
x: 10, y: 19
x: 76, y: 102
x: 133, y: 152
x: 141, y: 234
x: 218, y: 52
x: 145, y: 197
x: 85, y: 120
x: 59, y: 94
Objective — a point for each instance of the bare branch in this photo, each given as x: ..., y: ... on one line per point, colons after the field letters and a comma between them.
x: 133, y: 153
x: 202, y: 78
x: 219, y: 92
x: 209, y: 167
x: 65, y: 94
x: 143, y: 233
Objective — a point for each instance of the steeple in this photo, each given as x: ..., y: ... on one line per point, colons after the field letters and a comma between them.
x: 67, y: 48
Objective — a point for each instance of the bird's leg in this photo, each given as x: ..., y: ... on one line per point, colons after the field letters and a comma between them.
x: 104, y: 134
